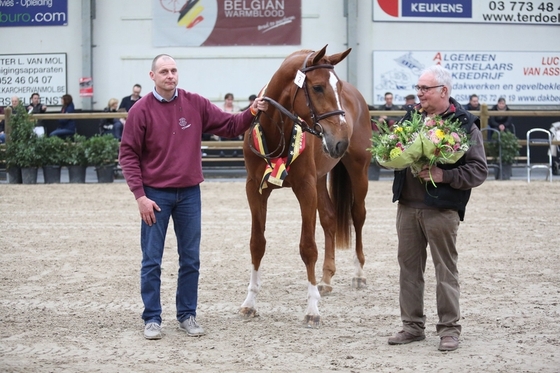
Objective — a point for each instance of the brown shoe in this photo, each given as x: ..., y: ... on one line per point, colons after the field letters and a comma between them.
x: 448, y: 343
x: 403, y: 337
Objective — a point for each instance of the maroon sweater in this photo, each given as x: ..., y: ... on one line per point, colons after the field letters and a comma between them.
x: 161, y: 141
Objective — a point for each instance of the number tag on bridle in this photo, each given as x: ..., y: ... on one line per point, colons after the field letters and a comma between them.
x: 300, y: 78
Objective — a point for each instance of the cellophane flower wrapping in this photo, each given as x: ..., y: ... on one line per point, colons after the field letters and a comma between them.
x: 418, y: 142
x: 399, y: 145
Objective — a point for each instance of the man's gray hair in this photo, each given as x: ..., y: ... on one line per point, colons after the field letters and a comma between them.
x: 442, y: 75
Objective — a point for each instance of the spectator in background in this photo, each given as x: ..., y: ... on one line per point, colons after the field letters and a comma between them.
x: 409, y: 102
x: 473, y: 104
x: 501, y: 123
x: 229, y: 107
x: 15, y: 103
x: 35, y: 107
x: 388, y: 106
x: 66, y: 127
x: 128, y: 101
x: 112, y: 126
x: 252, y: 99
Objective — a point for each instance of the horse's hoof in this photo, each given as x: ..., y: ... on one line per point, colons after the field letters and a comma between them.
x: 324, y: 289
x: 358, y: 283
x: 248, y: 312
x: 312, y: 321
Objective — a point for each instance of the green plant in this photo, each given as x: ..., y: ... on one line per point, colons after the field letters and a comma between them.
x: 75, y: 151
x: 51, y: 150
x: 509, y: 144
x: 27, y: 153
x: 102, y: 150
x: 20, y: 137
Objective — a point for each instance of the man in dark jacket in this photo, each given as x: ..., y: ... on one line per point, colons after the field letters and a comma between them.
x: 128, y: 101
x: 474, y: 103
x: 430, y: 215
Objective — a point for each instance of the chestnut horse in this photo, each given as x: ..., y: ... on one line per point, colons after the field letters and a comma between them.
x: 316, y: 125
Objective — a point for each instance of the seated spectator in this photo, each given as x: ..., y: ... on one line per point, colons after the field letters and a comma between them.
x: 66, y: 127
x: 409, y: 102
x: 128, y: 101
x: 112, y: 126
x: 473, y: 104
x: 229, y: 107
x: 388, y: 106
x: 35, y: 107
x: 500, y: 123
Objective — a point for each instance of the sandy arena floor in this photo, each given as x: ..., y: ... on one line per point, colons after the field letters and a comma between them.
x: 69, y: 288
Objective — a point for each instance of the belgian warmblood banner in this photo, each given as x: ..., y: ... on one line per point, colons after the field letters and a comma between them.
x: 191, y: 23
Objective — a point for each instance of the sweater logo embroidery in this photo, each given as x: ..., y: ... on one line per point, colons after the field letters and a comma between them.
x: 183, y: 123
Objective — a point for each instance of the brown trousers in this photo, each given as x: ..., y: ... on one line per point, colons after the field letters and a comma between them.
x: 416, y: 229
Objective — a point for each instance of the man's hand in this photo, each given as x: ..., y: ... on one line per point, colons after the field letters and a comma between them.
x: 259, y: 104
x: 146, y: 207
x: 434, y: 171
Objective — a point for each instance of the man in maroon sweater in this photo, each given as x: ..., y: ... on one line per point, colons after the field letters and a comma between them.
x: 161, y: 161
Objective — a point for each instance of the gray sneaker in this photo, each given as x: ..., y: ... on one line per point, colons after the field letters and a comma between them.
x: 152, y: 330
x: 192, y: 328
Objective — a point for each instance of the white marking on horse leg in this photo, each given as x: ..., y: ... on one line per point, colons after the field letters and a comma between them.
x: 313, y: 298
x: 359, y: 280
x: 253, y: 290
x: 333, y: 80
x: 358, y: 270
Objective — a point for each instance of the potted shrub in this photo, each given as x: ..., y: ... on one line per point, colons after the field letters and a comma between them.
x: 102, y: 152
x: 509, y: 144
x: 29, y: 159
x: 75, y: 158
x: 51, y: 151
x: 19, y: 133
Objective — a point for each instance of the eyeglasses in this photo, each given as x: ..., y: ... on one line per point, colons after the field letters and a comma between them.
x: 424, y: 89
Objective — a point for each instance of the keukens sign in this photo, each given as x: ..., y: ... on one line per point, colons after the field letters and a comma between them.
x: 540, y: 12
x: 192, y: 23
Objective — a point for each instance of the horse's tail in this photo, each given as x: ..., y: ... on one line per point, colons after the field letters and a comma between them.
x: 342, y: 197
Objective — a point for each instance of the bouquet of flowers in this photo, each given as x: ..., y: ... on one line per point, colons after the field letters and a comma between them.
x: 399, y: 145
x: 418, y: 142
x: 443, y: 141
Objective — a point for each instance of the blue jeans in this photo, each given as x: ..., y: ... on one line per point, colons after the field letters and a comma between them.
x: 62, y: 132
x: 183, y: 205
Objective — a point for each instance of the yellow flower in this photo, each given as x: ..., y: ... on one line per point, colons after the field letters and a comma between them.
x: 395, y: 152
x: 398, y: 129
x: 440, y: 134
x: 450, y: 140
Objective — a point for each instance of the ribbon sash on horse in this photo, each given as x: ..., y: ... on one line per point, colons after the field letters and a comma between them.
x: 277, y: 168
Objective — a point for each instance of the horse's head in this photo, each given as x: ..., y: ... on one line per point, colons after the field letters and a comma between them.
x: 319, y: 102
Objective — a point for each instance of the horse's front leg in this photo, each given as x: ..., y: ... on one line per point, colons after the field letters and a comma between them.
x: 360, y: 185
x: 307, y: 197
x: 327, y: 219
x: 257, y: 204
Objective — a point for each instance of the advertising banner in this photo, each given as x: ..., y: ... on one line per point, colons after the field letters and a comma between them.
x: 193, y: 23
x: 33, y: 13
x: 24, y: 74
x: 522, y: 78
x: 538, y: 12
